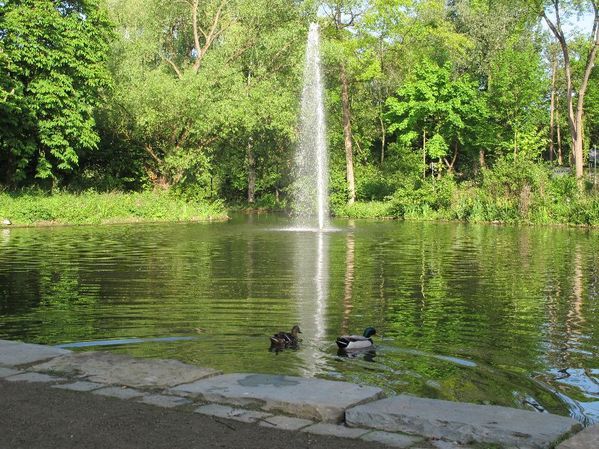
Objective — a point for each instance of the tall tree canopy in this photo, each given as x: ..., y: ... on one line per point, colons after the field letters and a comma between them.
x: 53, y: 70
x: 202, y: 97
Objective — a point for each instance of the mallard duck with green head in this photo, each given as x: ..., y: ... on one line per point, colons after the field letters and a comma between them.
x: 351, y: 342
x: 283, y: 340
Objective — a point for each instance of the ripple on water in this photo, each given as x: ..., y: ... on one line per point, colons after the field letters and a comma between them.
x: 459, y: 317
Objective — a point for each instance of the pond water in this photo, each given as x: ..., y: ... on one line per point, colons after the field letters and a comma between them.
x: 485, y: 314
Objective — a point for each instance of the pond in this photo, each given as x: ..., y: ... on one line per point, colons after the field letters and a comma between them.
x: 477, y: 313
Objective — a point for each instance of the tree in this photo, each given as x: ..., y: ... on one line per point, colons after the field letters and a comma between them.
x: 218, y: 127
x: 343, y: 15
x: 553, y: 13
x: 53, y: 64
x: 437, y: 107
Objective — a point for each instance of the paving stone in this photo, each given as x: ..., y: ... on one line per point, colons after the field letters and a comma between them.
x: 335, y: 430
x: 118, y: 392
x: 109, y: 368
x: 14, y: 353
x: 34, y: 377
x: 162, y: 400
x: 80, y: 386
x: 462, y: 422
x: 391, y: 439
x: 286, y: 422
x: 442, y: 444
x: 317, y: 399
x: 5, y: 372
x: 586, y: 439
x: 223, y: 411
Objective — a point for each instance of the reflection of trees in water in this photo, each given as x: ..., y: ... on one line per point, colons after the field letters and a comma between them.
x: 462, y: 290
x: 569, y: 309
x: 517, y: 299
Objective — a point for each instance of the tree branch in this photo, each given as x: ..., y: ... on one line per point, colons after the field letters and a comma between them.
x: 210, y: 37
x: 589, y: 65
x: 174, y: 66
x: 196, y: 37
x: 151, y: 152
x: 559, y: 35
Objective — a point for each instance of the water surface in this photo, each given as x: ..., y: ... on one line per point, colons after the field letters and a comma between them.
x: 485, y: 314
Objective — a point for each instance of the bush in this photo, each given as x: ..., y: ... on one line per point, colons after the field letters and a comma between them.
x: 371, y: 209
x: 428, y: 199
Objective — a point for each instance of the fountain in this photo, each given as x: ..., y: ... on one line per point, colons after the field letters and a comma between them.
x: 311, y: 208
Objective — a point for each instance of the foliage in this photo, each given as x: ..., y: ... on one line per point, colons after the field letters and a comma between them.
x: 436, y: 104
x: 35, y: 207
x: 371, y: 209
x: 53, y: 63
x: 448, y: 103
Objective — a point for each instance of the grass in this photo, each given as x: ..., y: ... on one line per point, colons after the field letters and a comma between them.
x: 36, y: 208
x: 372, y: 209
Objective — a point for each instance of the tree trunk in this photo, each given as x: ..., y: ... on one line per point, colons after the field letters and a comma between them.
x: 383, y: 137
x: 552, y: 110
x: 481, y: 159
x: 560, y: 157
x: 347, y: 136
x: 251, y: 172
x: 575, y: 113
x: 424, y: 154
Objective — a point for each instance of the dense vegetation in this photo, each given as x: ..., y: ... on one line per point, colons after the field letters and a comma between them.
x: 459, y: 109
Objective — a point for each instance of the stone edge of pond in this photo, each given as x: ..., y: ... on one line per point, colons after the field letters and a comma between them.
x: 290, y: 403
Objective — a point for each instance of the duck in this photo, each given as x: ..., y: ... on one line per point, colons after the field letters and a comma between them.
x: 351, y: 342
x: 286, y: 339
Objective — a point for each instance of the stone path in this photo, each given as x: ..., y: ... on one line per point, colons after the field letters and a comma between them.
x: 317, y: 399
x: 315, y: 406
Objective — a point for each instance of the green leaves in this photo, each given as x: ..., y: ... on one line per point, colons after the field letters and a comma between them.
x: 53, y: 65
x: 435, y: 102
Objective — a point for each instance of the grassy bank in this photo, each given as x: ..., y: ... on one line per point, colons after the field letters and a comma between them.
x: 35, y: 208
x: 479, y: 210
x: 539, y: 199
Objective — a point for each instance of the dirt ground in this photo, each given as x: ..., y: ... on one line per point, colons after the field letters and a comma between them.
x: 36, y: 416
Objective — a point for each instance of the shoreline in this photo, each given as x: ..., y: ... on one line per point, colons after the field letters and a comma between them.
x: 43, y: 224
x: 313, y: 406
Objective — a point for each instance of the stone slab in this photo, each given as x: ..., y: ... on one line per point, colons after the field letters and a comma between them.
x: 442, y: 444
x: 317, y: 399
x: 14, y: 353
x: 118, y: 392
x: 5, y: 372
x: 109, y: 368
x: 286, y: 422
x: 224, y: 411
x: 586, y: 439
x: 391, y: 439
x: 80, y: 386
x: 462, y: 422
x: 34, y: 377
x: 165, y: 401
x: 335, y: 430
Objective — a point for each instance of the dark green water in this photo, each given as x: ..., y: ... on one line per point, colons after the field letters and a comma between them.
x: 483, y: 314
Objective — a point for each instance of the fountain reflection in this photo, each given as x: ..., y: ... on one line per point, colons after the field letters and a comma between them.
x: 312, y: 277
x: 5, y: 237
x: 349, y: 282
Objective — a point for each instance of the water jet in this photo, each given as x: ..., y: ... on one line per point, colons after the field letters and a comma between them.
x: 310, y: 198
